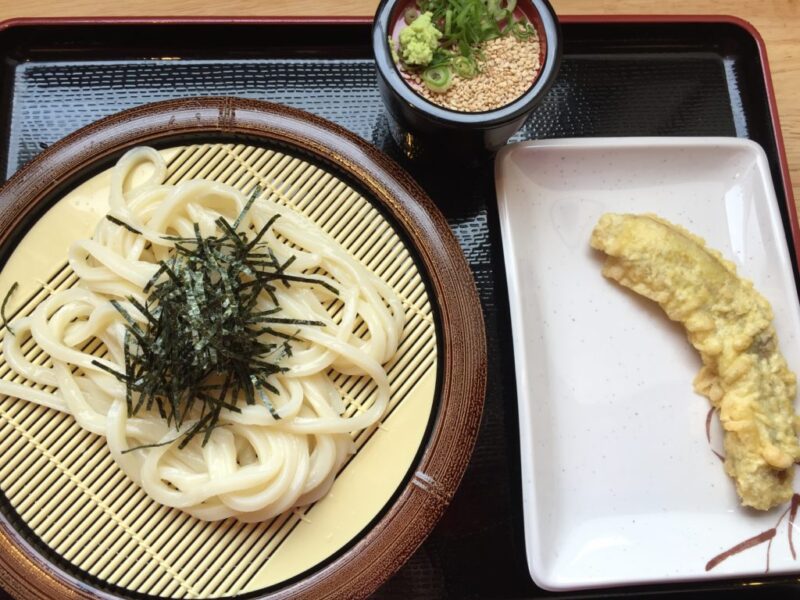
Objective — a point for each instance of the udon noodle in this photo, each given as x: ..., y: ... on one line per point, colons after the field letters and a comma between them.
x: 257, y: 463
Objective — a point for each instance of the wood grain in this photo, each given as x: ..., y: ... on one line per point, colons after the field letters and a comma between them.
x: 776, y: 20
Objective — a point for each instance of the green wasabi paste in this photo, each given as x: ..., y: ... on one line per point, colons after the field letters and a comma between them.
x: 419, y: 40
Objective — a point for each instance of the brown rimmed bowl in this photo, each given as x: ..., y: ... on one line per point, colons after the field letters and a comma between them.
x: 424, y: 130
x: 30, y: 569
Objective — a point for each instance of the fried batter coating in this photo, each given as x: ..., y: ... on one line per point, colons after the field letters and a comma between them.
x: 744, y: 374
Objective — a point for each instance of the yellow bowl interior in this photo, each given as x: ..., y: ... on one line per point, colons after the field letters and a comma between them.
x: 62, y: 481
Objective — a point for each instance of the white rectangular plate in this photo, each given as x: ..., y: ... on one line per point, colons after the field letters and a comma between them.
x: 620, y: 485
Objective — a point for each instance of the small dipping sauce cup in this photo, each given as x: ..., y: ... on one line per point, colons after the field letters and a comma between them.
x: 425, y: 130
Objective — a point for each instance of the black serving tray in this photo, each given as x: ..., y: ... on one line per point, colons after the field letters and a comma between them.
x: 694, y: 76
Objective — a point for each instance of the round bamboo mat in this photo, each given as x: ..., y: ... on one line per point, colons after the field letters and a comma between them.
x: 75, y: 526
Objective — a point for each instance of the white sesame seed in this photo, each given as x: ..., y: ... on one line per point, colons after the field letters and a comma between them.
x: 509, y: 67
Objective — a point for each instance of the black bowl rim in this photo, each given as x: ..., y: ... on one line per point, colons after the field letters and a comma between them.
x: 504, y: 114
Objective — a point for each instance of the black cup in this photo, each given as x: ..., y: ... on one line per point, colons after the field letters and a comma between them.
x: 424, y: 130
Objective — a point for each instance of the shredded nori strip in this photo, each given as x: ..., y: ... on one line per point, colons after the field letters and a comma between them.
x: 116, y: 221
x: 205, y: 341
x: 10, y: 293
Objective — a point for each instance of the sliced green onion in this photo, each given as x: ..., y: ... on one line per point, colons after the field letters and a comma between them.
x: 522, y: 30
x: 490, y: 30
x: 438, y: 79
x: 441, y: 57
x: 511, y: 5
x: 465, y: 67
x: 410, y: 15
x: 498, y: 13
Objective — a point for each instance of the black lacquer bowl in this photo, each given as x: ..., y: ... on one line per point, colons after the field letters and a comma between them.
x: 423, y: 129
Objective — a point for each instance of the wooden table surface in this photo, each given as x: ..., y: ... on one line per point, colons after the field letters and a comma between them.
x: 777, y: 21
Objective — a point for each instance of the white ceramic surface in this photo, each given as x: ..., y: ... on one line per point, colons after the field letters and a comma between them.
x: 619, y: 483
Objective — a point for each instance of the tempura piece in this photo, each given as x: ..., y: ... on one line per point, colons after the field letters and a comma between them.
x: 744, y: 374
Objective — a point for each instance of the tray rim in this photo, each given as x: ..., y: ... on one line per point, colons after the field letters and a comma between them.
x: 745, y: 25
x: 419, y: 502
